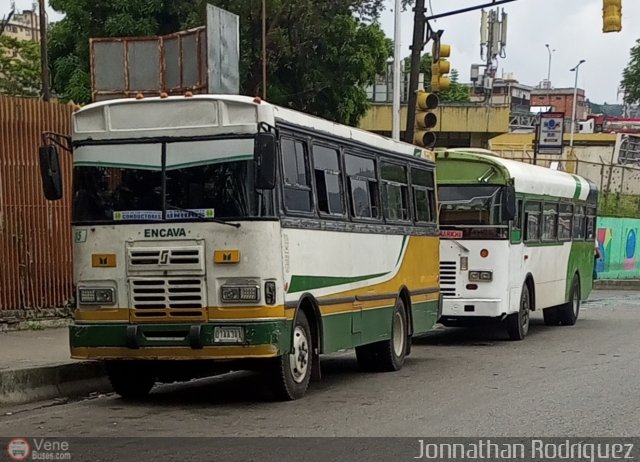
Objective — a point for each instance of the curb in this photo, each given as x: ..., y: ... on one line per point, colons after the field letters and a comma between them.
x: 19, y: 386
x: 617, y: 284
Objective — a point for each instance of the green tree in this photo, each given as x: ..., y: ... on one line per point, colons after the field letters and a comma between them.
x: 19, y: 67
x: 321, y: 55
x: 631, y: 76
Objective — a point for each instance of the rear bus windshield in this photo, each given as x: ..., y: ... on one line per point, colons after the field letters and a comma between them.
x: 476, y: 210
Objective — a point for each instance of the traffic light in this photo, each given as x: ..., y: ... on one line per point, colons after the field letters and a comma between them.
x: 612, y: 16
x: 425, y: 119
x: 440, y: 66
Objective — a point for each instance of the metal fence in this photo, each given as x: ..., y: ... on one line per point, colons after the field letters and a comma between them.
x: 35, y: 234
x: 618, y: 183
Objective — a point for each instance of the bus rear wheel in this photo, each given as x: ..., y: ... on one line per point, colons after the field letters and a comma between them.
x: 290, y: 373
x: 568, y: 313
x: 387, y: 356
x: 133, y: 380
x: 518, y: 323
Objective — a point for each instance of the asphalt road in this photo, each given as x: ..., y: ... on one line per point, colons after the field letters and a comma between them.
x: 560, y: 381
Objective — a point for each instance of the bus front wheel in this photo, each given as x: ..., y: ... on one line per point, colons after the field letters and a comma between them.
x: 518, y: 323
x: 290, y: 373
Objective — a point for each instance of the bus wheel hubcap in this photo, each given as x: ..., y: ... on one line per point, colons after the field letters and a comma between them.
x: 299, y: 359
x: 398, y: 334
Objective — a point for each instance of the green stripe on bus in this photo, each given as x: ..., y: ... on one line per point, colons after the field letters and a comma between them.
x: 404, y: 242
x: 576, y: 195
x: 302, y: 283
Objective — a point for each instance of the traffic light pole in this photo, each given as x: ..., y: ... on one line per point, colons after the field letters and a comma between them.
x: 416, y: 50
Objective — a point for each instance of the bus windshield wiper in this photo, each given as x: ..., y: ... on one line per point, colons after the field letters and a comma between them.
x: 202, y: 217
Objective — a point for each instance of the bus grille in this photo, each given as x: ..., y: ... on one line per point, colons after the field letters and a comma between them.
x: 161, y: 293
x: 154, y: 259
x: 448, y: 273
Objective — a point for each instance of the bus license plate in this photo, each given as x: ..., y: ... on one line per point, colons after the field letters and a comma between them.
x: 228, y: 335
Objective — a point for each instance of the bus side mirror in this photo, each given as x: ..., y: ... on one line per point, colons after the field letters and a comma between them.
x: 509, y: 204
x: 265, y: 160
x: 50, y: 172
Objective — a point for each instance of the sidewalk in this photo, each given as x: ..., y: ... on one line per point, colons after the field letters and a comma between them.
x: 35, y: 365
x: 617, y: 284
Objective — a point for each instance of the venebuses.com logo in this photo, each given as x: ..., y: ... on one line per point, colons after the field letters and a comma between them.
x: 18, y: 449
x: 38, y: 449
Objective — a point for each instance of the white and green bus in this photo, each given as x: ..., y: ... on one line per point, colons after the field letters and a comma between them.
x: 223, y: 232
x: 514, y: 238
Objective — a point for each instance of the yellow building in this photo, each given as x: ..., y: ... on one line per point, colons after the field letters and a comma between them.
x: 459, y: 124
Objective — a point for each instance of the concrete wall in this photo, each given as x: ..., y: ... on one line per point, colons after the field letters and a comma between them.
x: 617, y: 240
x: 455, y: 118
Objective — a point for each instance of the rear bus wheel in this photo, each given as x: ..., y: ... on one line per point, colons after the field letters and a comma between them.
x: 387, y: 356
x: 290, y: 373
x: 568, y: 313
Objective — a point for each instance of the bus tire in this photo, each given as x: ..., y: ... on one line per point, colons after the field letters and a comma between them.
x: 291, y: 373
x: 387, y: 356
x: 550, y: 316
x: 568, y: 313
x: 132, y: 380
x: 518, y: 323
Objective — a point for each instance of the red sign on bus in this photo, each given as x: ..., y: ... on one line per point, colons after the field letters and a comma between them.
x: 451, y: 233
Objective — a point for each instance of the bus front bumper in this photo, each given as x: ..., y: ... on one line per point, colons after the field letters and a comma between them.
x: 265, y: 339
x: 473, y: 308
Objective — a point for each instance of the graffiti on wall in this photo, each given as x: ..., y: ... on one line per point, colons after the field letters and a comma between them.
x: 617, y: 241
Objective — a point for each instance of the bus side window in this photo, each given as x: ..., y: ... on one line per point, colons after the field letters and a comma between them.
x: 395, y: 194
x: 297, y: 185
x: 363, y: 186
x: 550, y: 222
x: 424, y: 199
x: 591, y: 223
x: 532, y: 221
x: 564, y: 222
x: 328, y: 181
x: 579, y: 223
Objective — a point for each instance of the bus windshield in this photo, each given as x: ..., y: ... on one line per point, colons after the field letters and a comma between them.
x: 476, y: 208
x: 213, y: 188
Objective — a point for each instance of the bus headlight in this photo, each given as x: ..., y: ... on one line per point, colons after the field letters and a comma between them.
x: 481, y: 276
x: 240, y: 293
x: 96, y: 296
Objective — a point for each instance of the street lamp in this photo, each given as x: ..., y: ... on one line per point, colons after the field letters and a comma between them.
x: 549, y: 75
x: 575, y: 95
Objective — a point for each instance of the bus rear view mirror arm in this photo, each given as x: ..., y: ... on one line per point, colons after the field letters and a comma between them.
x: 50, y: 172
x: 265, y: 159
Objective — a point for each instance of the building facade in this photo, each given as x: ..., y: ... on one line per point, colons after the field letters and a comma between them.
x: 560, y: 100
x: 24, y: 26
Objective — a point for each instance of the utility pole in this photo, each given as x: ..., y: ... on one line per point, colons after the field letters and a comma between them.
x: 395, y: 119
x: 416, y: 50
x: 44, y: 54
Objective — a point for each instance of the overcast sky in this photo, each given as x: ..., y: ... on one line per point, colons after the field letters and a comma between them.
x: 572, y: 27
